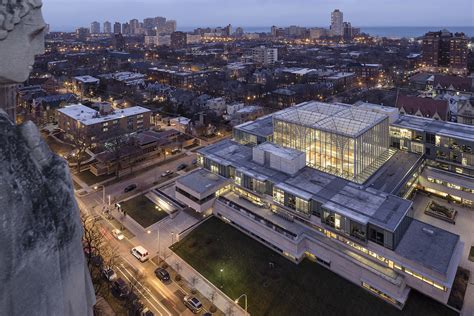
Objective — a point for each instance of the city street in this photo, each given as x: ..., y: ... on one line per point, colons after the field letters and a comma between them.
x: 160, y: 298
x: 144, y: 181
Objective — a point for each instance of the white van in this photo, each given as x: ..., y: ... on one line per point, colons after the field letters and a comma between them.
x: 140, y: 253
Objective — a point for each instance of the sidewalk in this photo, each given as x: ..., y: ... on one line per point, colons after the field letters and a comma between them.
x: 207, y: 289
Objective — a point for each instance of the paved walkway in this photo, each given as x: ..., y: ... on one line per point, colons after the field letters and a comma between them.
x: 207, y: 289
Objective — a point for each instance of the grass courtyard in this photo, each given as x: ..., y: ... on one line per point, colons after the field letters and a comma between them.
x: 143, y: 211
x: 287, y: 288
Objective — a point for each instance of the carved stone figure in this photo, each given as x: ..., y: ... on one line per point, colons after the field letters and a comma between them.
x: 21, y: 38
x: 42, y: 265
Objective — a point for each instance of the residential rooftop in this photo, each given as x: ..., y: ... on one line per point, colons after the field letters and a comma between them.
x: 89, y: 116
x: 86, y: 79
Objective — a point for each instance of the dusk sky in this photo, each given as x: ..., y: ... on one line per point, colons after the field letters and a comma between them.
x: 68, y: 14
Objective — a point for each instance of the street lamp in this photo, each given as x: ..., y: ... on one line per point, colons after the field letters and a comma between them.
x: 158, y: 233
x: 103, y: 192
x: 222, y: 271
x: 237, y: 301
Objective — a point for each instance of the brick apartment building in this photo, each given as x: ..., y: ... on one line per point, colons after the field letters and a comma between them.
x: 81, y: 121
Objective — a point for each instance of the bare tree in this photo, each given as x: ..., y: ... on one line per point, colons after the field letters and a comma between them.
x: 98, y: 253
x: 81, y: 142
x: 116, y: 145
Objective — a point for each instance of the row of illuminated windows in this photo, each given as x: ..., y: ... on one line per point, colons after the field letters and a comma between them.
x: 278, y: 196
x: 381, y: 294
x: 450, y: 185
x: 392, y: 265
x: 389, y: 263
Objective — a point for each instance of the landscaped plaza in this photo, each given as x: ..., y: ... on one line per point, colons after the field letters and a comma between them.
x: 238, y: 264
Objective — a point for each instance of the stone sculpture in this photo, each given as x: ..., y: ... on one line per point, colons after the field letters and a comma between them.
x: 42, y: 264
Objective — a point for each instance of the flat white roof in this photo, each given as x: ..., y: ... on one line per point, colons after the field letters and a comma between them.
x: 88, y: 116
x: 86, y: 79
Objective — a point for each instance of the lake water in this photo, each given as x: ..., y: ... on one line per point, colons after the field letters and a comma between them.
x: 396, y: 31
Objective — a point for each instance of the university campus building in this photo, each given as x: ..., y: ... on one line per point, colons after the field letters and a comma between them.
x: 322, y: 181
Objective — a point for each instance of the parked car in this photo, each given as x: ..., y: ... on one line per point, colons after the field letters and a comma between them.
x: 117, y: 233
x: 121, y: 288
x: 140, y: 253
x: 193, y: 303
x: 162, y: 274
x: 181, y: 167
x: 109, y: 274
x: 166, y: 173
x: 129, y: 188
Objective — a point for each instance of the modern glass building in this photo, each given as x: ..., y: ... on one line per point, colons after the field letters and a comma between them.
x: 297, y: 196
x: 341, y: 140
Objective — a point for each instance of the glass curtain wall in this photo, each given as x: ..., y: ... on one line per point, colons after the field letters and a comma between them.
x: 334, y: 153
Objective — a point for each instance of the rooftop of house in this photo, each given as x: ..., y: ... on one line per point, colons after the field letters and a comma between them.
x: 427, y: 106
x: 86, y: 79
x: 88, y: 116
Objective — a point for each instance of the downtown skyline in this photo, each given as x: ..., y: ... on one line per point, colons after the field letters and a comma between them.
x: 66, y: 17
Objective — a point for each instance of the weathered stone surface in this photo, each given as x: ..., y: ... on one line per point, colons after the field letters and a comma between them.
x: 42, y: 265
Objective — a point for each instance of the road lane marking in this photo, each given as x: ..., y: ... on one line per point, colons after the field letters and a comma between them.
x: 145, y: 289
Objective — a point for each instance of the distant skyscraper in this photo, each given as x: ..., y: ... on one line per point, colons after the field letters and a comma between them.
x: 239, y: 32
x: 274, y: 31
x: 169, y: 27
x: 95, y: 27
x: 82, y: 33
x: 149, y: 24
x: 118, y: 42
x: 228, y: 30
x: 117, y: 28
x: 347, y: 34
x: 264, y: 56
x: 160, y: 21
x: 134, y: 26
x: 445, y: 50
x: 126, y: 29
x: 337, y: 19
x: 178, y: 39
x: 107, y: 27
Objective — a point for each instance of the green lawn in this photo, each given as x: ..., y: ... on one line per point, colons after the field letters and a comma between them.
x: 143, y: 211
x: 287, y: 288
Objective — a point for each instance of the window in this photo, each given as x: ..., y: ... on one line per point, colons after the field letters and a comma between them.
x: 376, y: 236
x: 279, y: 196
